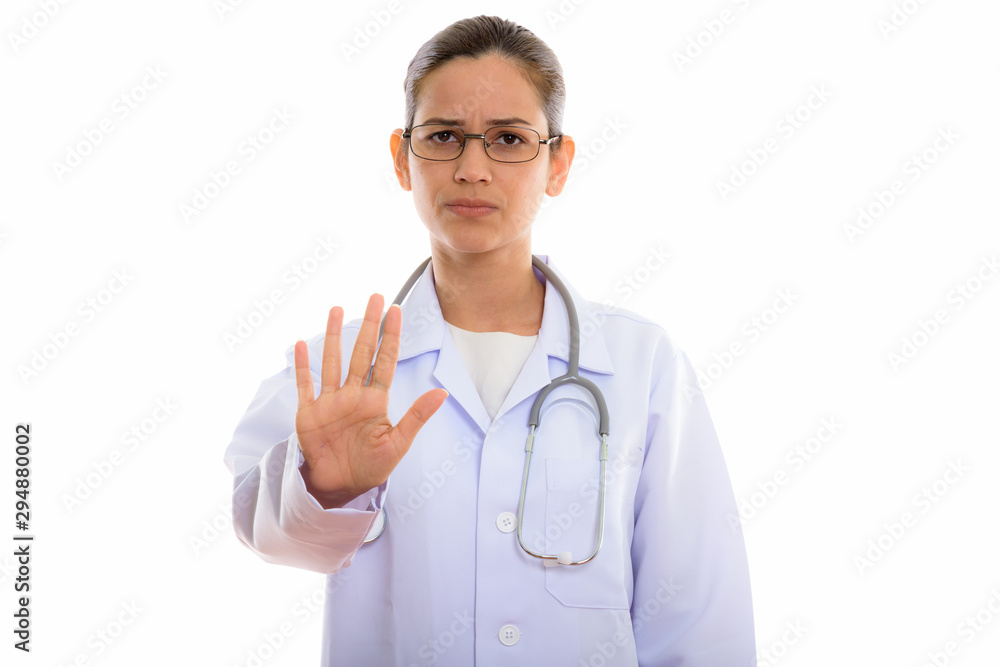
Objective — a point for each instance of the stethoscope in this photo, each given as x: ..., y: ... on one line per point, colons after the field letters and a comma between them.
x: 572, y: 376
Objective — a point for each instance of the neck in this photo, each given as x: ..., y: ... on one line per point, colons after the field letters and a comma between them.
x: 494, y: 291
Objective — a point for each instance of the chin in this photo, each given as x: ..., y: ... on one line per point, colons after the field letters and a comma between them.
x: 467, y: 236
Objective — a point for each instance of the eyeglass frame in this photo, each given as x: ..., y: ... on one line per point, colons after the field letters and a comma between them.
x: 466, y: 136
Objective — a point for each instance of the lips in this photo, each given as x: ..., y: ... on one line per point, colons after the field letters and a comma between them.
x: 470, y: 207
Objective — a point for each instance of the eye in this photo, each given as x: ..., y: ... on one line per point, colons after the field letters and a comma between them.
x: 509, y: 139
x: 443, y: 137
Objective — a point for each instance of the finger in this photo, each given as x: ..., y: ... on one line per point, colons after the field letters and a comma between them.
x: 364, y: 346
x: 418, y: 414
x: 330, y: 374
x: 388, y: 351
x: 303, y: 378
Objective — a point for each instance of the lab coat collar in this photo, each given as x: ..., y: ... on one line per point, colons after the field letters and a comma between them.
x: 424, y: 330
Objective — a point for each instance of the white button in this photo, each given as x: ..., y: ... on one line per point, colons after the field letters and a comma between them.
x: 507, y: 522
x: 509, y: 635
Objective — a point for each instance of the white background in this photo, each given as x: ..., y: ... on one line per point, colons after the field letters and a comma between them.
x: 672, y: 132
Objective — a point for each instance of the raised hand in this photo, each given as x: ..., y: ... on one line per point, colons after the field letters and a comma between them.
x: 348, y: 442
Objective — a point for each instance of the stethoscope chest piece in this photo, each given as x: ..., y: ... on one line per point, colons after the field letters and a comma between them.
x: 377, y: 527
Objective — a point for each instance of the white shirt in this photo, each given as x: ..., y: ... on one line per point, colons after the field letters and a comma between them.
x: 447, y: 582
x: 494, y: 360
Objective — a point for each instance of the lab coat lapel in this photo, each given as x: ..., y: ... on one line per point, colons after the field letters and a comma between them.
x: 454, y: 376
x: 424, y: 330
x: 553, y: 341
x: 535, y: 372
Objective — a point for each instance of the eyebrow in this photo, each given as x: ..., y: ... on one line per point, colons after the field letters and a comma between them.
x: 492, y: 122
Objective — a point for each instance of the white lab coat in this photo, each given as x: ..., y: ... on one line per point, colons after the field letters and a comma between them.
x: 447, y: 583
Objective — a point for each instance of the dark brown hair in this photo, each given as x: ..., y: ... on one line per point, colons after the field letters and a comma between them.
x: 489, y: 35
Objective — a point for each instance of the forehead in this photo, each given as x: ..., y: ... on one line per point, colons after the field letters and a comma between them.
x: 478, y: 91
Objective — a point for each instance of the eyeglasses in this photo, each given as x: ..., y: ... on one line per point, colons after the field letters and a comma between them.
x: 504, y: 143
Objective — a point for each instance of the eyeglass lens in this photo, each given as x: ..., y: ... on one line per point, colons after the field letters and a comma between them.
x: 503, y: 143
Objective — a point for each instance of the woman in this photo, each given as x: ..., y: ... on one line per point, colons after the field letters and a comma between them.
x: 440, y: 456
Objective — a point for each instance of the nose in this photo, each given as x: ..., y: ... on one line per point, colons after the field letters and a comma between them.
x: 473, y: 165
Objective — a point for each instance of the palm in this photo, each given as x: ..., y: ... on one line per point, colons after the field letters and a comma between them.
x: 347, y: 440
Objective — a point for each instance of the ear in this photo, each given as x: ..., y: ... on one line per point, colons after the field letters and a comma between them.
x: 400, y: 158
x: 559, y: 165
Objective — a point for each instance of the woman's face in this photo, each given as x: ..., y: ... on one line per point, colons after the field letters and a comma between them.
x: 474, y: 204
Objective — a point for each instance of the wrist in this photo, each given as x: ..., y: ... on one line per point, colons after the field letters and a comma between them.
x: 327, y: 499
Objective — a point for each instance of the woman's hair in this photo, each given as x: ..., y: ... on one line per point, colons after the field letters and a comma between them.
x: 489, y: 35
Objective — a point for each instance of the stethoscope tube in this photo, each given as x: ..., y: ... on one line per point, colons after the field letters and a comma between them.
x: 572, y: 376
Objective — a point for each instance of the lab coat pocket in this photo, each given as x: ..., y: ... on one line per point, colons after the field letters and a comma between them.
x: 571, y: 524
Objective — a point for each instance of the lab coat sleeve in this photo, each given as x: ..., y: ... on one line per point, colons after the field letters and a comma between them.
x: 273, y: 513
x: 691, y: 602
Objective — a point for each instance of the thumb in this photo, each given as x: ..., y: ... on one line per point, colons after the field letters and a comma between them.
x: 418, y: 414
